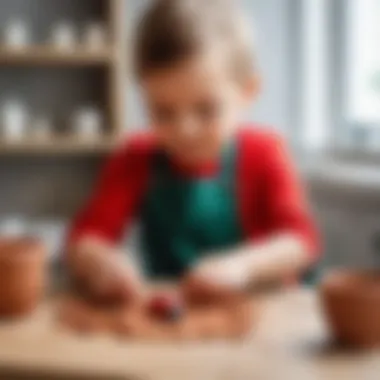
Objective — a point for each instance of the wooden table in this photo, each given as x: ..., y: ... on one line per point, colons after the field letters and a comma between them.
x: 289, y: 342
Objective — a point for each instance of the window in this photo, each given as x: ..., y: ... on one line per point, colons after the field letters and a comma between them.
x: 340, y: 74
x: 358, y: 73
x: 362, y: 104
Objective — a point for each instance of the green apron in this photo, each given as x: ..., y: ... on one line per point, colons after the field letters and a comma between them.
x: 182, y: 219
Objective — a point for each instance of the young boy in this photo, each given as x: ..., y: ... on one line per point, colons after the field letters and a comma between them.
x: 219, y: 204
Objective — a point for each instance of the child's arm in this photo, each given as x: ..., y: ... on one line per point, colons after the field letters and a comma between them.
x: 275, y: 258
x: 92, y: 255
x: 290, y: 245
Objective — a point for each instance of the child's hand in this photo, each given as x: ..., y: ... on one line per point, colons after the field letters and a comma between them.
x: 197, y: 289
x: 228, y: 270
x: 103, y: 272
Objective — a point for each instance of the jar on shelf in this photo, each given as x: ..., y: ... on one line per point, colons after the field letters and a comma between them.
x: 94, y: 36
x: 14, y: 120
x: 17, y: 34
x: 87, y: 122
x: 64, y: 36
x: 13, y: 226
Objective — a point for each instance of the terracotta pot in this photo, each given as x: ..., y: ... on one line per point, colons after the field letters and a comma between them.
x: 351, y: 302
x: 22, y: 275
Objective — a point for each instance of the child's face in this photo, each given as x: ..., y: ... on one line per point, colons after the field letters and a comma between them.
x: 194, y: 107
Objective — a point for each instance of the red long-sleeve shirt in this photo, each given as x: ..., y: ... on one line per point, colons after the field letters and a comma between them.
x: 271, y: 198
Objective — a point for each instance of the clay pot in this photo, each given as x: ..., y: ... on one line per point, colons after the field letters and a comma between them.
x: 22, y: 275
x: 351, y: 301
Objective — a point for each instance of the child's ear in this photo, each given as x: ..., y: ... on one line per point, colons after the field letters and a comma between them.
x: 252, y: 88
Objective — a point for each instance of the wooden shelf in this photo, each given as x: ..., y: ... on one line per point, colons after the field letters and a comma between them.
x: 111, y: 93
x: 45, y: 55
x: 59, y: 146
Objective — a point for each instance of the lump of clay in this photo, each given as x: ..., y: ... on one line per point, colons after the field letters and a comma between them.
x: 22, y: 275
x: 166, y: 307
x: 351, y: 301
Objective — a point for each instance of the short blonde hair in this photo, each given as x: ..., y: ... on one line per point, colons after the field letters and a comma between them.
x: 174, y: 30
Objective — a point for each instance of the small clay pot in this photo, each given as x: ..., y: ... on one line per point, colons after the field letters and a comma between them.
x: 22, y: 275
x: 351, y: 301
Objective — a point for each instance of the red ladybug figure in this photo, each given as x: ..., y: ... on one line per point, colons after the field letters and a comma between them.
x: 166, y: 307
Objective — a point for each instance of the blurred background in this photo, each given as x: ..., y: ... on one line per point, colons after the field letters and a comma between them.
x: 65, y: 95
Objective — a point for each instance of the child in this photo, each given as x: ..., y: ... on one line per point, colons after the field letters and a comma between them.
x: 219, y: 204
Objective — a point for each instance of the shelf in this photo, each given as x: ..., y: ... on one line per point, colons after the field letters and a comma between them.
x: 61, y: 146
x: 41, y: 55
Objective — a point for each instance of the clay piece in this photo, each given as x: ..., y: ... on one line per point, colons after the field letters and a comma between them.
x: 22, y: 275
x: 351, y: 302
x: 137, y: 321
x: 166, y: 307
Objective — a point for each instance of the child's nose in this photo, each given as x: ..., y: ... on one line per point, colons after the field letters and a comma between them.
x: 188, y: 128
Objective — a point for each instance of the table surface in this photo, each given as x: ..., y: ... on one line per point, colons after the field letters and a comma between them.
x: 289, y: 341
